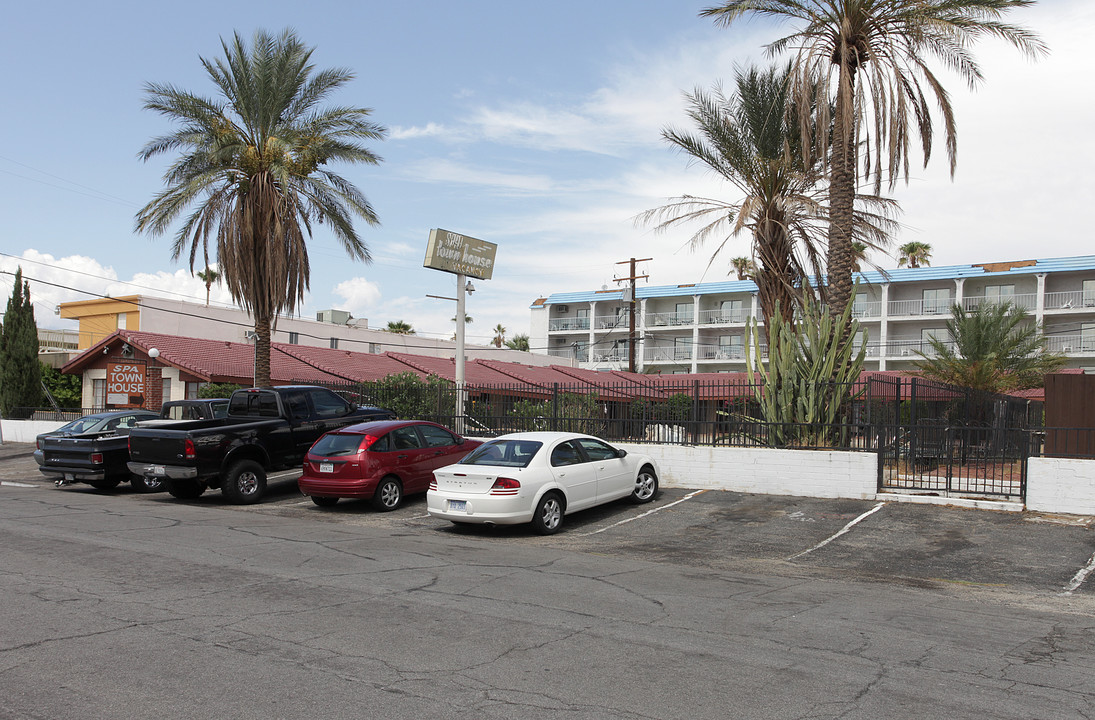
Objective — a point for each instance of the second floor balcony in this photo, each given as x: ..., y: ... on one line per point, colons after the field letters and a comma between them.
x: 568, y: 323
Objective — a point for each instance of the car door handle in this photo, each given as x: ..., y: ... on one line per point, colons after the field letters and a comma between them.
x: 439, y: 452
x: 401, y: 457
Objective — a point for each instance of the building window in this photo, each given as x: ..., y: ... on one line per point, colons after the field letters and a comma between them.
x: 999, y: 293
x: 334, y: 343
x: 682, y: 348
x: 192, y: 390
x: 121, y: 321
x: 730, y: 346
x: 165, y: 393
x: 1089, y: 293
x: 730, y: 311
x: 582, y: 313
x: 1087, y: 336
x: 98, y: 393
x: 683, y: 314
x: 294, y: 338
x: 937, y: 301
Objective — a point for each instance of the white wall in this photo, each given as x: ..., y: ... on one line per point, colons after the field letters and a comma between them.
x: 812, y: 473
x: 27, y: 430
x: 1061, y: 485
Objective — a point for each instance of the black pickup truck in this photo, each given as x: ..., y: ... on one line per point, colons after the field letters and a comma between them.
x: 95, y: 448
x: 265, y: 429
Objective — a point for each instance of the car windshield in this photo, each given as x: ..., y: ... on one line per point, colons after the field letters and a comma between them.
x: 507, y: 453
x: 337, y: 444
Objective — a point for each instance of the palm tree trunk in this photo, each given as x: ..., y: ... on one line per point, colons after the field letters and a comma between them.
x: 842, y: 187
x: 262, y: 352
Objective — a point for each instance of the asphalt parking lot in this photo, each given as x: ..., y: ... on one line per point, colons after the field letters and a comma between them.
x: 873, y: 540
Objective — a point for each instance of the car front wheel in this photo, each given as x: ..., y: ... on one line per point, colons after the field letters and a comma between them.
x: 548, y: 517
x: 646, y: 486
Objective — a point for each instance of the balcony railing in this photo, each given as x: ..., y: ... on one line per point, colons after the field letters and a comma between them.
x: 869, y: 309
x: 1073, y: 300
x: 723, y: 317
x: 911, y: 349
x: 919, y: 307
x: 581, y: 354
x: 564, y: 324
x: 662, y: 319
x: 1025, y: 301
x: 609, y: 322
x: 726, y: 352
x: 1071, y: 344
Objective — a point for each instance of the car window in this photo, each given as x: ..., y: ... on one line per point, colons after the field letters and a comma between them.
x: 298, y: 403
x: 333, y: 444
x: 404, y: 438
x: 327, y: 404
x: 597, y: 450
x: 112, y: 424
x: 220, y: 409
x: 382, y: 444
x: 508, y: 453
x: 436, y: 437
x: 565, y: 454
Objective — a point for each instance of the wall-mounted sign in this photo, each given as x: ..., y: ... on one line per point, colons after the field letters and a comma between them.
x: 125, y: 384
x: 460, y: 254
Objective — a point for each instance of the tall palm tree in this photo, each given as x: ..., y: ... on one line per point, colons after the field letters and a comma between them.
x: 399, y: 327
x: 743, y: 266
x: 752, y: 141
x: 499, y: 336
x: 873, y: 56
x: 859, y: 255
x: 914, y: 254
x: 254, y: 162
x: 993, y: 347
x: 208, y: 276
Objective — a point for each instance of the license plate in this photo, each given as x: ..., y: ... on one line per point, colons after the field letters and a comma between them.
x: 458, y: 505
x: 326, y: 467
x: 156, y: 470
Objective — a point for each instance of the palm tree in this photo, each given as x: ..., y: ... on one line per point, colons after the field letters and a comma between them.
x: 889, y: 42
x: 399, y: 327
x: 499, y: 336
x: 743, y: 266
x: 208, y: 276
x: 467, y: 319
x: 914, y: 254
x: 518, y: 342
x: 994, y: 348
x: 859, y: 255
x: 254, y: 162
x: 751, y: 140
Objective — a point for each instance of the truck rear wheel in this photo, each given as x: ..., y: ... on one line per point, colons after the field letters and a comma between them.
x: 185, y: 489
x: 245, y: 483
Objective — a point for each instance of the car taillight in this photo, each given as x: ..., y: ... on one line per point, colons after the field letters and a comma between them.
x: 367, y: 442
x: 505, y: 486
x: 40, y: 442
x: 189, y: 452
x: 97, y: 458
x: 433, y: 484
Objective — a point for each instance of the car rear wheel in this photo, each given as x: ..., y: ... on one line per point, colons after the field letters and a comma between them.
x: 388, y: 495
x: 107, y: 484
x: 144, y: 484
x: 185, y: 489
x: 324, y: 501
x: 246, y: 483
x: 548, y: 517
x: 646, y: 486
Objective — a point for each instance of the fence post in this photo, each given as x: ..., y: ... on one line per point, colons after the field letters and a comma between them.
x: 555, y: 407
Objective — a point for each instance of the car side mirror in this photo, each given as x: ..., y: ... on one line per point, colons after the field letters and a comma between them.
x: 621, y: 453
x: 460, y: 441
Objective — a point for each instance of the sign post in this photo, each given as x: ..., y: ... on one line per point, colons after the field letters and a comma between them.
x: 464, y: 256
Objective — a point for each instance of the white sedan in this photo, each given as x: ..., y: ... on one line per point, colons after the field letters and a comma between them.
x: 538, y: 477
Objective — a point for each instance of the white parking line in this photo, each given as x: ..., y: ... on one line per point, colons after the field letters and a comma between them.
x: 648, y: 512
x: 843, y: 530
x: 1079, y: 577
x: 284, y: 474
x: 17, y: 484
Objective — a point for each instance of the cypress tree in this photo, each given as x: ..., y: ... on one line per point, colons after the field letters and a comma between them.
x: 20, y: 374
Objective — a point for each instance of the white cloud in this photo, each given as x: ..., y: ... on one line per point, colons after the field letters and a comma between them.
x: 358, y: 295
x: 414, y: 132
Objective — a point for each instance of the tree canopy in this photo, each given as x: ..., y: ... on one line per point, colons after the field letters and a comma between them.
x: 20, y: 372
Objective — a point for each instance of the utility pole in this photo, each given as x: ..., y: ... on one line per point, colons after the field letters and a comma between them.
x: 632, y: 277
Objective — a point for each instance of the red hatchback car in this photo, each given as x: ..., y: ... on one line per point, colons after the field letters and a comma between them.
x: 382, y: 461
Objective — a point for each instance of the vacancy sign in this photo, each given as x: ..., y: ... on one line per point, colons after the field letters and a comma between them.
x: 460, y: 254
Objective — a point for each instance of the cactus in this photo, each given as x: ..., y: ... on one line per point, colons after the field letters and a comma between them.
x: 809, y: 376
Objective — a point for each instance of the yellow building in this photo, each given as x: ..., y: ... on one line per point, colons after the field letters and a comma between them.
x: 103, y: 316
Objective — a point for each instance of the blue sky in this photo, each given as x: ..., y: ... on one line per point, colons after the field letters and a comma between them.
x: 532, y: 125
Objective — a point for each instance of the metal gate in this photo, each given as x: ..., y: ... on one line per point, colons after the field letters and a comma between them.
x: 955, y: 461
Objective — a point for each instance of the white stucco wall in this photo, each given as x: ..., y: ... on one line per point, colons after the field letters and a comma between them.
x: 1061, y: 485
x: 812, y: 473
x: 26, y: 430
